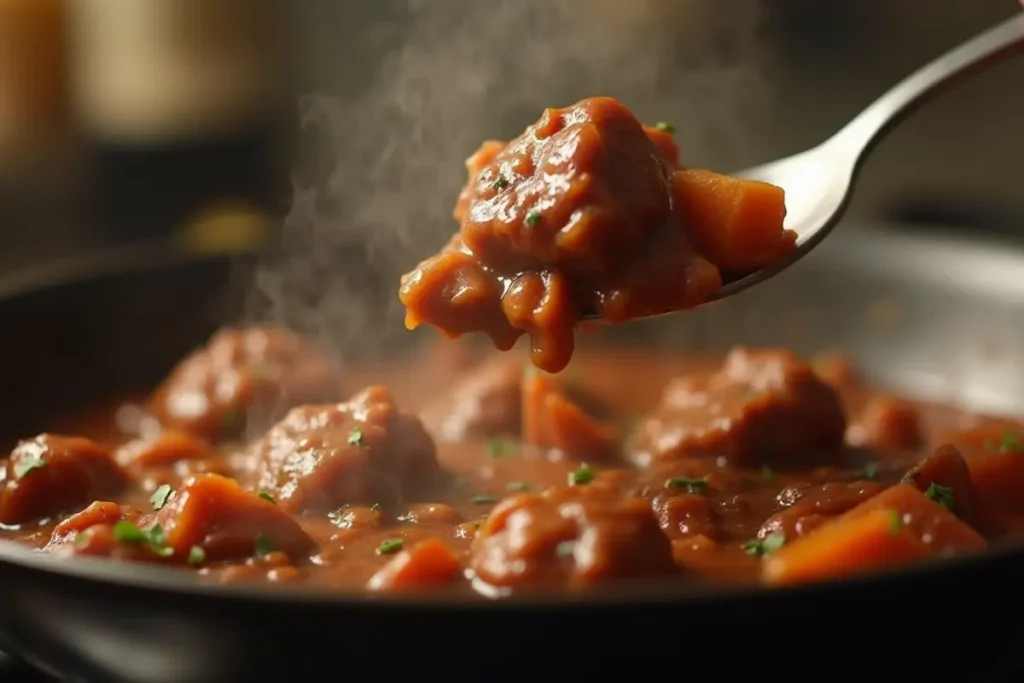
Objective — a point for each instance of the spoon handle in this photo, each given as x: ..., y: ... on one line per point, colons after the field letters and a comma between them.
x: 995, y: 44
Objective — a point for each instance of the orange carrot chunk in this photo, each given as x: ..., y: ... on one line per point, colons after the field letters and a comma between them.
x: 847, y: 546
x: 427, y: 563
x: 735, y: 223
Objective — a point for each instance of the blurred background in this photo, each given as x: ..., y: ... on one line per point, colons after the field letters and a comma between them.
x: 213, y: 124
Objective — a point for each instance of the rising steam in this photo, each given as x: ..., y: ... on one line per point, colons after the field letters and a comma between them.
x: 388, y: 160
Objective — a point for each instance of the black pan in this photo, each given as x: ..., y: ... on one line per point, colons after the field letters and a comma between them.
x: 913, y: 310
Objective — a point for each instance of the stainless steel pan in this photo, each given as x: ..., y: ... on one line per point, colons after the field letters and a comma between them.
x: 937, y: 317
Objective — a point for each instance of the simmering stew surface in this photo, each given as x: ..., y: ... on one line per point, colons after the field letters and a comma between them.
x: 472, y: 471
x: 259, y: 460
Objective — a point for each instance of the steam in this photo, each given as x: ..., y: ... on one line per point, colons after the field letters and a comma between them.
x: 378, y: 184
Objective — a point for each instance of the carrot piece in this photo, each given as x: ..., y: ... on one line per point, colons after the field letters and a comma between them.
x: 847, y: 546
x: 735, y: 223
x: 429, y: 562
x: 995, y: 459
x: 928, y: 519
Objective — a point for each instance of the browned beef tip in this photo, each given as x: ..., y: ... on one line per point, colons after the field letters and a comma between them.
x: 761, y: 407
x: 486, y: 402
x: 362, y: 451
x: 807, y: 508
x: 890, y: 423
x: 532, y: 540
x: 244, y: 378
x: 51, y: 474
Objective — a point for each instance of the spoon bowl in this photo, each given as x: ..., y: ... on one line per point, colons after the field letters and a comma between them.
x: 818, y: 182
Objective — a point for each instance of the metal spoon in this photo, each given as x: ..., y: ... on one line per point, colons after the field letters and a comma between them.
x: 818, y: 181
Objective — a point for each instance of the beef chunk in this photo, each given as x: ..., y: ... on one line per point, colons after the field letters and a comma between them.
x: 362, y: 451
x: 761, y: 407
x: 532, y: 540
x: 51, y: 474
x: 244, y: 378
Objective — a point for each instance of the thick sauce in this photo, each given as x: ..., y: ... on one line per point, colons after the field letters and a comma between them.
x: 588, y: 211
x: 475, y: 472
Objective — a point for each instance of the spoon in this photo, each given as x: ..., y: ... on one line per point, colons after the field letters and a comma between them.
x: 818, y: 181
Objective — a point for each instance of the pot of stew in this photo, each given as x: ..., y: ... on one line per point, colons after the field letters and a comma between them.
x: 821, y: 478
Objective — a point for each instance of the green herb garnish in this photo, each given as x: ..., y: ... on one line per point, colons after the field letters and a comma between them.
x: 500, y: 183
x: 196, y: 555
x: 533, y: 217
x: 1010, y: 443
x: 262, y: 545
x: 231, y: 420
x: 483, y: 500
x: 691, y: 485
x: 390, y: 546
x: 355, y: 437
x: 665, y: 127
x: 582, y: 475
x: 895, y: 522
x: 496, y: 447
x: 26, y: 464
x: 767, y: 474
x: 267, y: 497
x: 764, y: 546
x: 869, y: 471
x: 565, y: 549
x: 160, y: 496
x: 518, y: 486
x: 943, y: 495
x: 375, y: 507
x: 128, y: 533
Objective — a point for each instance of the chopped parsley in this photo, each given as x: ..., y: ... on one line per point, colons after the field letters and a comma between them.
x: 581, y: 475
x: 869, y: 471
x: 196, y: 555
x: 518, y: 486
x: 565, y: 549
x: 665, y: 127
x: 355, y: 437
x: 160, y: 496
x: 26, y: 464
x: 262, y: 545
x: 496, y: 448
x: 767, y: 474
x: 691, y: 485
x: 500, y: 183
x: 267, y: 497
x: 390, y: 546
x: 943, y: 495
x: 483, y: 500
x: 231, y: 420
x: 128, y: 533
x: 533, y: 217
x: 375, y: 507
x: 764, y: 546
x: 1010, y: 443
x: 895, y: 522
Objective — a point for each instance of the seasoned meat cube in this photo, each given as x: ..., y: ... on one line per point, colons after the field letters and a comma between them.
x: 536, y: 540
x: 762, y: 407
x: 945, y: 477
x: 362, y: 451
x: 888, y: 422
x: 225, y: 521
x: 486, y: 402
x: 815, y: 505
x: 244, y: 379
x: 51, y: 474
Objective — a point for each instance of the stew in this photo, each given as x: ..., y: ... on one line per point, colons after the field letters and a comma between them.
x: 589, y: 211
x: 473, y: 471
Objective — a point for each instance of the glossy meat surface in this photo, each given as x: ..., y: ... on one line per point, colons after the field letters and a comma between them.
x: 488, y: 476
x: 588, y: 211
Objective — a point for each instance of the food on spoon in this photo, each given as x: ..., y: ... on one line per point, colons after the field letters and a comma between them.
x: 588, y: 211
